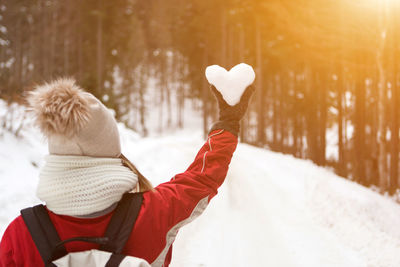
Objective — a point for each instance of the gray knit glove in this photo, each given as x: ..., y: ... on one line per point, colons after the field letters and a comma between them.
x: 230, y: 116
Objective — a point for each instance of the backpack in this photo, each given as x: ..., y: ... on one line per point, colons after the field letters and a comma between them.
x: 52, y: 249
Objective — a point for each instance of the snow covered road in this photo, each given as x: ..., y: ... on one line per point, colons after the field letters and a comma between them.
x: 273, y: 209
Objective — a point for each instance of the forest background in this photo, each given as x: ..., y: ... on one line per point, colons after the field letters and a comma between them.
x: 327, y: 70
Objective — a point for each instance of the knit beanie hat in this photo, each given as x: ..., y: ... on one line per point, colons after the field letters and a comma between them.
x: 75, y: 122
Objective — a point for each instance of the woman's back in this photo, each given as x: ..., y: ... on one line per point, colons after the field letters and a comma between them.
x: 163, y: 212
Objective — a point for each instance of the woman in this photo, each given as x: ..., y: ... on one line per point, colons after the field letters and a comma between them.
x: 85, y: 175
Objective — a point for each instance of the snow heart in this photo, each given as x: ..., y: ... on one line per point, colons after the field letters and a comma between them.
x: 231, y: 84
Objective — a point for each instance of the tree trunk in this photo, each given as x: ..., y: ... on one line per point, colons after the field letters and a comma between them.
x: 259, y: 86
x: 181, y: 90
x: 359, y: 131
x: 382, y: 160
x: 99, y: 47
x: 80, y: 42
x: 311, y: 116
x: 322, y: 122
x: 223, y: 37
x: 394, y: 158
x: 394, y: 137
x: 142, y: 107
x: 274, y: 100
x: 341, y: 161
x: 242, y: 59
x: 204, y: 95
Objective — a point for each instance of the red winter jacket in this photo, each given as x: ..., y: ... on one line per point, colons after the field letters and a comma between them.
x: 163, y: 212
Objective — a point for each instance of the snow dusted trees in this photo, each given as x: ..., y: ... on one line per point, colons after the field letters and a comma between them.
x: 328, y: 71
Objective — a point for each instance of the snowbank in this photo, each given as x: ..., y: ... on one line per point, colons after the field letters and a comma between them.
x: 273, y: 209
x: 20, y: 159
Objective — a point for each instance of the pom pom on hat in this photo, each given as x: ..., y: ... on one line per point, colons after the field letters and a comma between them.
x: 59, y: 107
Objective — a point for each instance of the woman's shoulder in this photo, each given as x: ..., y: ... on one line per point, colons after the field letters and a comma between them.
x: 15, y: 235
x: 16, y: 227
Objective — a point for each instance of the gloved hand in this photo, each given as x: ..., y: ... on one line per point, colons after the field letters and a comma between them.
x: 230, y: 116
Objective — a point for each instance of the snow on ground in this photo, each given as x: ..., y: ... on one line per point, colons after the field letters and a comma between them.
x: 273, y: 209
x: 19, y: 161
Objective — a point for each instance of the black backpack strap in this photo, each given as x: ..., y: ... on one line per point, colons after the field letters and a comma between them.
x: 121, y: 225
x: 122, y: 222
x: 43, y: 233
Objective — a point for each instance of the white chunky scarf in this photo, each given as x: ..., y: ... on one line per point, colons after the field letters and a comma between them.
x: 80, y: 185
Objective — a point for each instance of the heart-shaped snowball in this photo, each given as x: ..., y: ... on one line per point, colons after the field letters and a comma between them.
x: 231, y: 84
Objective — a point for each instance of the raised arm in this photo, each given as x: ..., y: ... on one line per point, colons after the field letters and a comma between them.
x: 188, y: 193
x: 179, y: 201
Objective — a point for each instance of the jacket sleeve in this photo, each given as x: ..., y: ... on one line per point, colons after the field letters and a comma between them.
x: 6, y: 252
x: 181, y: 200
x: 200, y: 182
